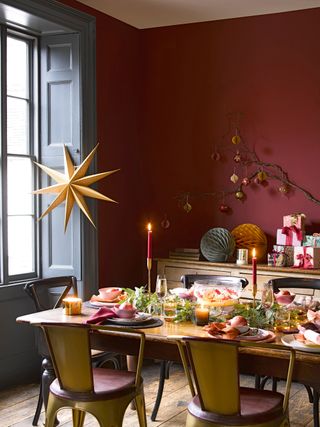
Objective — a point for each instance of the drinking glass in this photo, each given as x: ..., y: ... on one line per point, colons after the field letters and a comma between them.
x: 282, y: 320
x: 161, y: 286
x: 169, y: 309
x: 267, y: 297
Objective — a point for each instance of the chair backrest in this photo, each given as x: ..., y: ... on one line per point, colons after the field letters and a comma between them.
x: 189, y: 279
x: 42, y: 291
x: 69, y: 347
x: 294, y: 283
x: 214, y: 365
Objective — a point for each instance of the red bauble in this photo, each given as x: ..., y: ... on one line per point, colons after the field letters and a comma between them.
x: 257, y: 180
x: 224, y: 208
x: 246, y: 181
x: 216, y: 156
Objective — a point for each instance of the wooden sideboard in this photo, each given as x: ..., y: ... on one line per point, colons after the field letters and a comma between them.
x: 173, y: 269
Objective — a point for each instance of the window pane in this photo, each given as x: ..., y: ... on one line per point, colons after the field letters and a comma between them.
x: 20, y: 245
x: 20, y: 186
x: 18, y: 128
x: 17, y: 68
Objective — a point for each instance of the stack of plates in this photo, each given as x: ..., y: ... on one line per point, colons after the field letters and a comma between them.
x: 217, y: 245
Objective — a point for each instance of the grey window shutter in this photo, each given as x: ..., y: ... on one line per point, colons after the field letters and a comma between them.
x: 60, y: 125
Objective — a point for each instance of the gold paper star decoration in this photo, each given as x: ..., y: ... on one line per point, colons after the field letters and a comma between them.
x: 73, y: 185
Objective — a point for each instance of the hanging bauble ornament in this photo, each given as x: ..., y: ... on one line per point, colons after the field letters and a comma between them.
x: 234, y: 178
x: 257, y: 180
x: 239, y: 195
x: 245, y: 181
x: 236, y: 139
x: 165, y: 223
x: 187, y: 207
x: 237, y: 157
x: 283, y: 189
x: 224, y: 208
x: 216, y: 156
x: 262, y: 176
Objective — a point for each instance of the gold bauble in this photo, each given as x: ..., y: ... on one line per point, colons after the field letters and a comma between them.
x: 236, y: 139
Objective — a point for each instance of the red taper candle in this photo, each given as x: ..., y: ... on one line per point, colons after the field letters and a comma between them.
x: 254, y: 273
x: 149, y: 245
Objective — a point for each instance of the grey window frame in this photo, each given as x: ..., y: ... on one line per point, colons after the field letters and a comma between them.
x: 32, y: 142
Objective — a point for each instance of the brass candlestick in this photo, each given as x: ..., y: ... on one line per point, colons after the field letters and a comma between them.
x: 149, y: 266
x: 254, y: 293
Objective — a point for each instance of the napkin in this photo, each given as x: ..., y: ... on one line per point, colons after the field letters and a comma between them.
x: 312, y: 336
x: 104, y: 313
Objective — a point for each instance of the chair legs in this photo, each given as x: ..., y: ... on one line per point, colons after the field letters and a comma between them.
x: 141, y: 410
x: 313, y: 395
x: 39, y: 405
x: 78, y: 417
x: 109, y: 413
x: 164, y: 373
x: 315, y: 408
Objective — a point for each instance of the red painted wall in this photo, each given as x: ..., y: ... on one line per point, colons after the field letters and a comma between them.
x: 121, y: 230
x: 163, y: 96
x: 266, y: 67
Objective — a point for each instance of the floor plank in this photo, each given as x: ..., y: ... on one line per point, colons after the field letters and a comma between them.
x: 17, y: 405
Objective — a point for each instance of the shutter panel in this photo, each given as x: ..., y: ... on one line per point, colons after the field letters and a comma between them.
x: 60, y: 125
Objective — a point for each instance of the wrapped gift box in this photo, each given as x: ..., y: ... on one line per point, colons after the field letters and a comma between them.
x: 306, y: 257
x: 313, y: 240
x: 277, y: 259
x: 294, y: 220
x: 287, y: 250
x: 289, y: 237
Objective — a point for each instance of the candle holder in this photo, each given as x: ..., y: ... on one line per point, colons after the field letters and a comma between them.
x: 254, y: 293
x: 201, y: 314
x: 149, y: 266
x: 72, y: 306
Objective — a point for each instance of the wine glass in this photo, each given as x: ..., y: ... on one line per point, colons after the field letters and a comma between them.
x: 267, y: 297
x: 161, y: 286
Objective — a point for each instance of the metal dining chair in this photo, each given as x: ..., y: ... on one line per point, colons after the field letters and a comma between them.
x: 104, y: 393
x: 188, y: 280
x: 217, y: 397
x: 47, y: 294
x: 297, y: 283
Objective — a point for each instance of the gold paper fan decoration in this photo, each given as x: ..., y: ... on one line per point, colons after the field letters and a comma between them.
x: 73, y: 185
x: 249, y: 236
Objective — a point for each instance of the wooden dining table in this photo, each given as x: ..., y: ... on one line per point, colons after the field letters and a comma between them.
x: 161, y: 345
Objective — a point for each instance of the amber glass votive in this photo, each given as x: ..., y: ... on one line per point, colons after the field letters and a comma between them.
x: 72, y: 306
x: 201, y: 315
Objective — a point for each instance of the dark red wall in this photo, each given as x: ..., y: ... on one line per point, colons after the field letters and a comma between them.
x: 266, y: 67
x: 121, y: 227
x: 163, y: 96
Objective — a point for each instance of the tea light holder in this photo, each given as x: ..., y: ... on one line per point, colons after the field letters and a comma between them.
x: 242, y: 256
x: 201, y: 315
x: 72, y: 306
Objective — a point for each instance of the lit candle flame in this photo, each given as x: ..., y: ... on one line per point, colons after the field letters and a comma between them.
x: 254, y: 252
x: 149, y: 226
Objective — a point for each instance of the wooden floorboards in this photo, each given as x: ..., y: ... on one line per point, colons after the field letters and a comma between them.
x: 17, y: 405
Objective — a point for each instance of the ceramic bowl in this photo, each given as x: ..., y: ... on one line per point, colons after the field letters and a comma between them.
x: 109, y: 294
x: 284, y: 299
x: 124, y: 313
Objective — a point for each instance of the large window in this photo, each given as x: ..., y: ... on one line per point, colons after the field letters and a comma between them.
x: 18, y: 149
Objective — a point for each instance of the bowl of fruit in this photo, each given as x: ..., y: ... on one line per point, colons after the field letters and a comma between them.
x: 125, y: 310
x: 284, y: 297
x: 213, y: 293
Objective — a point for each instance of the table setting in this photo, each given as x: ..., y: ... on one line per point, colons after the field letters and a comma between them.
x: 217, y: 309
